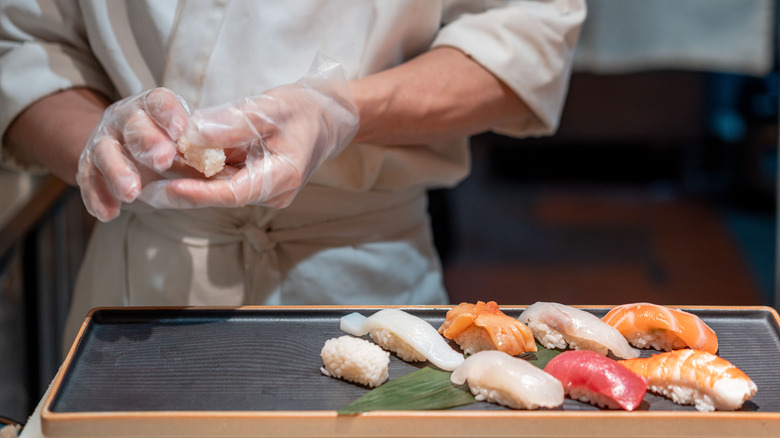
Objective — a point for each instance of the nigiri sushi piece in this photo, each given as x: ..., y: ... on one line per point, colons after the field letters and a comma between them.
x: 410, y: 337
x: 497, y: 377
x: 695, y: 377
x: 559, y: 326
x: 596, y: 379
x: 483, y: 326
x: 662, y: 328
x: 355, y: 360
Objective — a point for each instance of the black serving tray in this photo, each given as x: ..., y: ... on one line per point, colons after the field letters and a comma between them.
x: 173, y: 368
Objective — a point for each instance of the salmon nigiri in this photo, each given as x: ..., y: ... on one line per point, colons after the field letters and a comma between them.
x: 483, y: 326
x: 663, y: 328
x: 695, y: 377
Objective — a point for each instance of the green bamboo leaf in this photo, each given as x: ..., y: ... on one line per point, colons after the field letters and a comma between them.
x: 541, y: 356
x: 426, y: 388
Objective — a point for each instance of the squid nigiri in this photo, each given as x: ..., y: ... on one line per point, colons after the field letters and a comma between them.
x: 596, y: 379
x: 695, y: 377
x: 411, y: 338
x: 497, y: 377
x: 662, y: 328
x: 560, y: 326
x: 483, y: 326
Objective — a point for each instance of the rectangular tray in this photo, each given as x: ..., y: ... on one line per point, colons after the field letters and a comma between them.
x: 255, y: 371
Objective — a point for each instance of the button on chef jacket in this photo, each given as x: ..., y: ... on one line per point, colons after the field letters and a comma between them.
x: 358, y: 233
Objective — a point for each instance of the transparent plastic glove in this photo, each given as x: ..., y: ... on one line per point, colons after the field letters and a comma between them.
x: 134, y: 143
x: 274, y: 142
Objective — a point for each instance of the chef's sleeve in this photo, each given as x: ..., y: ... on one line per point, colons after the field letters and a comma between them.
x: 43, y: 49
x: 528, y: 45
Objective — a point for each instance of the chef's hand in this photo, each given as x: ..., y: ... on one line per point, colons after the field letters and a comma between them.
x: 274, y: 142
x: 134, y: 143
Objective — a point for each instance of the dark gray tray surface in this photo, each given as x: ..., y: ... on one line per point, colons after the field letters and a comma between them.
x: 268, y: 360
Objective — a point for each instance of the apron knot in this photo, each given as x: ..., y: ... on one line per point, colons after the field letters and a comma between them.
x: 257, y: 238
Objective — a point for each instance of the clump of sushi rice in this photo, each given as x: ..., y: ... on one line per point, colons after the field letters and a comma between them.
x: 355, y: 360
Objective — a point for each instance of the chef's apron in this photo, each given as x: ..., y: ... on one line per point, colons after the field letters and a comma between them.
x: 328, y: 247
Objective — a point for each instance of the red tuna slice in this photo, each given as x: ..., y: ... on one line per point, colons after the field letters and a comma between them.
x: 594, y: 378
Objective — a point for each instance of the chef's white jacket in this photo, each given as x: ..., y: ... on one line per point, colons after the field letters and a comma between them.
x: 358, y: 233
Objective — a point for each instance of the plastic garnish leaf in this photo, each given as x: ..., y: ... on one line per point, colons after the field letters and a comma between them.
x: 426, y: 388
x: 541, y: 356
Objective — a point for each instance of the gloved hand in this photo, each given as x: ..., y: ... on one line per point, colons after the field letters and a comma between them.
x: 134, y: 143
x: 274, y: 142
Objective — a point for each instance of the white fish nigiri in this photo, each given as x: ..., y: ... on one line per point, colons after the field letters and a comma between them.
x: 411, y: 338
x: 559, y: 326
x: 497, y: 377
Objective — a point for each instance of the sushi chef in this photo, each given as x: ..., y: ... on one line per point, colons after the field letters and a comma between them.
x: 335, y: 118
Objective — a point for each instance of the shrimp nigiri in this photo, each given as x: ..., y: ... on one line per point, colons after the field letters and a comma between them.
x: 662, y: 328
x: 695, y: 377
x: 560, y: 326
x: 594, y: 378
x: 483, y: 326
x: 497, y: 377
x: 410, y: 337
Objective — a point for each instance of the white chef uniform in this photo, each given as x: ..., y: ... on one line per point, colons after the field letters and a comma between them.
x: 358, y: 233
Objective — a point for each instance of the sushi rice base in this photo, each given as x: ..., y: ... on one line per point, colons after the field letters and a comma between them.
x: 659, y: 339
x: 389, y: 341
x: 593, y: 398
x: 550, y: 338
x: 474, y: 339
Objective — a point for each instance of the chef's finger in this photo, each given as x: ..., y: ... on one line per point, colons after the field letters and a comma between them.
x: 167, y: 110
x: 149, y: 144
x: 97, y: 197
x: 119, y: 173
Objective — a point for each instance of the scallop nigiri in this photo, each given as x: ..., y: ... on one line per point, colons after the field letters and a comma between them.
x: 410, y: 337
x: 596, y: 379
x: 497, y: 377
x: 662, y: 328
x: 559, y: 326
x: 483, y: 326
x: 695, y: 377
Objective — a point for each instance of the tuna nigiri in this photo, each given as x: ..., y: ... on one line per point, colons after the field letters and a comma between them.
x: 410, y: 337
x: 559, y: 326
x: 596, y: 379
x: 695, y: 377
x: 497, y: 377
x: 662, y: 328
x: 483, y: 326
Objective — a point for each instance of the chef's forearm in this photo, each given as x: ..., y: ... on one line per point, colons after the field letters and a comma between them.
x: 53, y: 131
x: 439, y: 95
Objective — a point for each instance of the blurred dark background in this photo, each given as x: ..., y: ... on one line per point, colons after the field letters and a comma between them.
x: 660, y: 184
